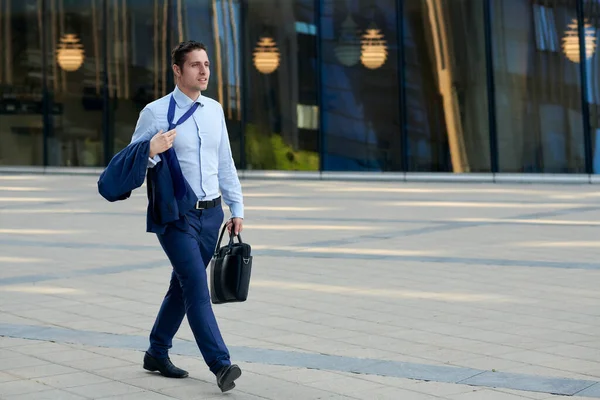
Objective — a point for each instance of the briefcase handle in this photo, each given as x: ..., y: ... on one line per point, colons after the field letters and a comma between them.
x: 230, y: 244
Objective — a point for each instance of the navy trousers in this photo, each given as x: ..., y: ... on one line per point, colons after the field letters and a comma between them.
x: 190, y: 251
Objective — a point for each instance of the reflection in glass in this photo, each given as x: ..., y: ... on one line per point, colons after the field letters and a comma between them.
x: 221, y: 34
x: 74, y: 35
x: 70, y: 53
x: 360, y: 86
x: 281, y: 129
x: 571, y: 41
x: 266, y: 55
x: 274, y: 120
x: 538, y: 90
x: 21, y: 126
x: 592, y: 41
x: 138, y: 62
x: 374, y: 50
x: 140, y: 69
x: 446, y: 87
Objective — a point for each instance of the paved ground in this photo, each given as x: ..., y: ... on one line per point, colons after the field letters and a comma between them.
x: 359, y: 291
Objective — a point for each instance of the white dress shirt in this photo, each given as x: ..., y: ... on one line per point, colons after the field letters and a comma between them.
x: 202, y: 147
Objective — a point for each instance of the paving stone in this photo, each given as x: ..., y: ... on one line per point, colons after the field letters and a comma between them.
x: 5, y: 377
x: 140, y: 396
x: 40, y: 371
x: 21, y: 362
x: 386, y: 393
x: 520, y: 382
x: 99, y: 362
x: 64, y: 381
x: 105, y: 390
x: 485, y: 394
x: 591, y: 391
x: 156, y: 382
x: 123, y: 373
x: 201, y: 390
x: 21, y: 387
x: 8, y: 342
x: 41, y: 348
x: 345, y: 385
x: 47, y: 395
x: 304, y: 376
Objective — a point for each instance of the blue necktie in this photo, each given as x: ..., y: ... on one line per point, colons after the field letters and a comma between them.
x: 170, y: 155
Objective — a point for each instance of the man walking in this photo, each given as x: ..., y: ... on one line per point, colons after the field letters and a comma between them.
x: 196, y: 148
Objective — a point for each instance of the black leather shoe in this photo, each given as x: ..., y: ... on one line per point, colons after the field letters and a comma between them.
x: 164, y: 366
x: 226, y: 376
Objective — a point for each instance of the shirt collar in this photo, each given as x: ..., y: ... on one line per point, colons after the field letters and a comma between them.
x: 182, y: 100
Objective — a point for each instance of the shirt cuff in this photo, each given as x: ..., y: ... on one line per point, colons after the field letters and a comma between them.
x: 237, y: 210
x: 153, y: 161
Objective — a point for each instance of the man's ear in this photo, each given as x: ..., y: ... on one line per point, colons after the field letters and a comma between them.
x: 176, y: 70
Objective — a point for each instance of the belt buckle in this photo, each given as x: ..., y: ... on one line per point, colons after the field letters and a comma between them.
x: 198, y: 206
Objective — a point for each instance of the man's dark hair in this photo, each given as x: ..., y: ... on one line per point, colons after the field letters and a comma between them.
x: 180, y: 51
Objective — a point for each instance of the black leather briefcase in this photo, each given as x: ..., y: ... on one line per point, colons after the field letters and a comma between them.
x: 230, y: 270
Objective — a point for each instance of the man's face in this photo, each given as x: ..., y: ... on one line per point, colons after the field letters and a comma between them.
x: 196, y: 71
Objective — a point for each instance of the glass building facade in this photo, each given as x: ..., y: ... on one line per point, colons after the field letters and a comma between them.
x: 314, y: 85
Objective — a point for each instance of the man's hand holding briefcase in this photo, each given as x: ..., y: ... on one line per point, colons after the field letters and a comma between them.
x: 230, y: 269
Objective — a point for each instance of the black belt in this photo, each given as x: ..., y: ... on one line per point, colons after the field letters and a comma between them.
x: 204, y: 204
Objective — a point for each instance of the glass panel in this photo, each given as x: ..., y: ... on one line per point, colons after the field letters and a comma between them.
x: 446, y: 89
x: 140, y: 69
x: 21, y: 129
x: 139, y: 62
x: 216, y: 23
x: 592, y: 40
x: 75, y: 36
x: 281, y: 129
x: 538, y: 91
x: 360, y: 86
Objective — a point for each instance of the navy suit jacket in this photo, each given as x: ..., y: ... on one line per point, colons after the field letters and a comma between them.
x: 126, y: 172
